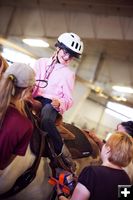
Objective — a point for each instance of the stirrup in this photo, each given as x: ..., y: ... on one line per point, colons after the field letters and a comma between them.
x: 64, y: 163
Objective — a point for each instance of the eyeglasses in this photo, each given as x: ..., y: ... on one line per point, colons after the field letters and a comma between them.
x: 41, y: 83
x: 104, y: 141
x: 66, y: 53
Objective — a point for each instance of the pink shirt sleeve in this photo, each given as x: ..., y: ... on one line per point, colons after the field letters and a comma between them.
x: 66, y: 101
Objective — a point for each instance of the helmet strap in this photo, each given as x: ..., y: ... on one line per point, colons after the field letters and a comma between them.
x: 58, y: 60
x: 56, y: 54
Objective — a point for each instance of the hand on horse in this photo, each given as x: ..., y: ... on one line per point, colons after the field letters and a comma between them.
x: 93, y: 135
x: 55, y: 103
x: 60, y: 194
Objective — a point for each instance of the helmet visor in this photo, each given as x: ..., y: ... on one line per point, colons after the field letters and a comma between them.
x: 69, y: 51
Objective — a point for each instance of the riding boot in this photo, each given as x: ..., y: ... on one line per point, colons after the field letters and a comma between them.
x: 65, y: 160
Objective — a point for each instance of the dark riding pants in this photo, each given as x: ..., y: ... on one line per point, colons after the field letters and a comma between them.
x: 48, y: 117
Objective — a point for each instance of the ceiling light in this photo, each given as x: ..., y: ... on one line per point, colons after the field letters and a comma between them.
x: 119, y: 98
x: 123, y: 89
x: 36, y: 42
x: 122, y: 110
x: 97, y: 89
x: 103, y: 95
x: 16, y: 56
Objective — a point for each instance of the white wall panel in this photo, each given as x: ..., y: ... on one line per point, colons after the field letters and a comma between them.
x: 55, y: 23
x: 38, y: 21
x: 108, y: 27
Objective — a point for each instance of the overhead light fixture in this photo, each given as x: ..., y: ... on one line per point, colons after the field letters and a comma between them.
x: 101, y: 94
x: 121, y: 110
x: 15, y: 56
x: 36, y: 42
x: 119, y: 98
x: 122, y: 89
x: 98, y: 89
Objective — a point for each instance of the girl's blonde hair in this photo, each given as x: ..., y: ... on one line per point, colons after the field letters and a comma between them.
x: 121, y: 149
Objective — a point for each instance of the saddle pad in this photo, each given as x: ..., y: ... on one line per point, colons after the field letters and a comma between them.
x: 80, y: 147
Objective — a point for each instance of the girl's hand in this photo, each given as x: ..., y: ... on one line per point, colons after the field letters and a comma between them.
x: 55, y: 103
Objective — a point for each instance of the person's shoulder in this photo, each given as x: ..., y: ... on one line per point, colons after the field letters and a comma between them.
x: 93, y: 168
x: 88, y: 168
x: 12, y: 110
x: 17, y: 116
x: 87, y: 171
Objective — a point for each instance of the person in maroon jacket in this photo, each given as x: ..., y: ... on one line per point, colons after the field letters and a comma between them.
x: 15, y: 127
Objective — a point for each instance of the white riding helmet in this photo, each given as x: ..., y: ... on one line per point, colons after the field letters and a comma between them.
x: 72, y: 43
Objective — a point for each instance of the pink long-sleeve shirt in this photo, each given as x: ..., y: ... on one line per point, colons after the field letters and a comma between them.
x: 60, y: 82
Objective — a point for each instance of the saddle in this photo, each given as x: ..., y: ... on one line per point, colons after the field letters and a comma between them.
x: 80, y: 147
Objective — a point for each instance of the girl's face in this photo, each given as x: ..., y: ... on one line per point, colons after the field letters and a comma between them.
x: 64, y: 57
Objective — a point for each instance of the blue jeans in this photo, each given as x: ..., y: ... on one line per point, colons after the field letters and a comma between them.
x: 48, y: 117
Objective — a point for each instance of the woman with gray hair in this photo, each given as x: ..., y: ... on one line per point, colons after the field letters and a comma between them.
x: 15, y: 128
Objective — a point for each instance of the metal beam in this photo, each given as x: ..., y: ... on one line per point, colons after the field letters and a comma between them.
x: 98, y: 67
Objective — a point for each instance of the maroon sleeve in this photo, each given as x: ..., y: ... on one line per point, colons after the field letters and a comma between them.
x: 23, y: 143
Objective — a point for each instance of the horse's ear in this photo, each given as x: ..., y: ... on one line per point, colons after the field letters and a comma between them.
x: 65, y: 133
